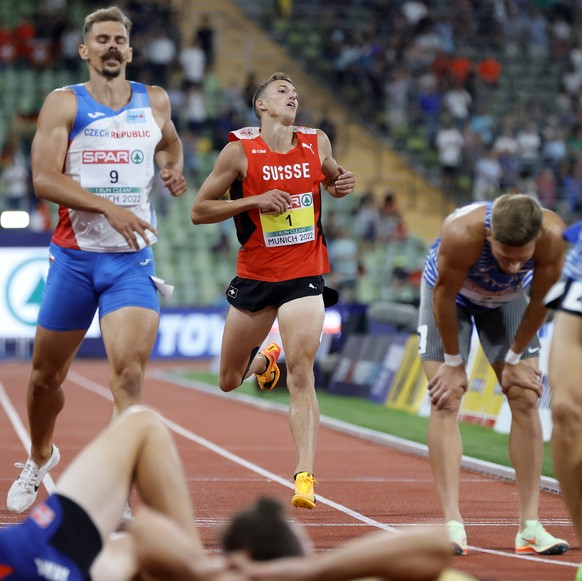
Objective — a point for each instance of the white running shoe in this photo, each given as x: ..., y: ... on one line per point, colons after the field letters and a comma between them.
x: 458, y: 537
x: 536, y: 539
x: 24, y: 489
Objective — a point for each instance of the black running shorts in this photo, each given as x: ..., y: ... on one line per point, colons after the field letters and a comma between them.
x: 256, y: 295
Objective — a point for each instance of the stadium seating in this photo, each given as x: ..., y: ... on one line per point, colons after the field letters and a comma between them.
x: 185, y: 254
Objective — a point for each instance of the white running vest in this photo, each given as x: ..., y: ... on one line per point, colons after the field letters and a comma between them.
x: 111, y: 154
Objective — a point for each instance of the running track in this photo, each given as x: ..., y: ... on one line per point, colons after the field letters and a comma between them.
x: 234, y: 451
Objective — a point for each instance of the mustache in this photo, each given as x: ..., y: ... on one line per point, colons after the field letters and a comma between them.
x: 113, y: 54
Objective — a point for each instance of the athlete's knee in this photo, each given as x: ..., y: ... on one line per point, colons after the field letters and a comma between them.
x: 140, y: 414
x: 567, y: 416
x: 128, y: 381
x: 521, y: 400
x: 448, y: 408
x: 229, y: 381
x: 141, y: 421
x: 300, y: 376
x: 44, y: 382
x: 231, y: 376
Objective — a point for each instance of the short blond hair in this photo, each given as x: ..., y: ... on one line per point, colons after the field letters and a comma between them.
x: 111, y: 14
x: 516, y: 219
x: 263, y: 86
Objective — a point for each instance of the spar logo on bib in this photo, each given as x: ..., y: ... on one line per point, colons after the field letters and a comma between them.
x: 97, y: 156
x: 137, y: 156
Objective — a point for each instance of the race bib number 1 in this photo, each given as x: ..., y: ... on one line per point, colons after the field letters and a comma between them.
x: 296, y: 226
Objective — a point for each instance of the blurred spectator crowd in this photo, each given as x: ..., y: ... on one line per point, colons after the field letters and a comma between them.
x: 482, y: 96
x: 47, y: 40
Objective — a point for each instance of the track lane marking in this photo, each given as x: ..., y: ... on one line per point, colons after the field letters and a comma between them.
x: 98, y: 389
x: 91, y: 385
x: 22, y: 433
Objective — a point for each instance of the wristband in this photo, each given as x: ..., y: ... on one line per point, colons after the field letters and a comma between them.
x: 453, y: 360
x: 512, y: 357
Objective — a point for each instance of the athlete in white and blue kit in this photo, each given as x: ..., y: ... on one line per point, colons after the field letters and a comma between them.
x: 490, y: 269
x: 565, y: 377
x: 93, y: 154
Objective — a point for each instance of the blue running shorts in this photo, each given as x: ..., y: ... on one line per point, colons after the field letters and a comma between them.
x: 57, y: 541
x: 79, y: 282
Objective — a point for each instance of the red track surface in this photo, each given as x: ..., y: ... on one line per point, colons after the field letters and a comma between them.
x: 233, y: 452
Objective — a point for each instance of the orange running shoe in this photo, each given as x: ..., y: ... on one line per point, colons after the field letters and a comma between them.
x: 269, y: 378
x: 304, y: 496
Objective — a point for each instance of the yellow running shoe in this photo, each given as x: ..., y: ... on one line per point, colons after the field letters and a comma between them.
x: 304, y: 496
x: 458, y: 537
x: 268, y: 379
x: 534, y: 538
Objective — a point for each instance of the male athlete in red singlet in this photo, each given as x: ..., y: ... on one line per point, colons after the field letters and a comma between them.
x: 274, y: 175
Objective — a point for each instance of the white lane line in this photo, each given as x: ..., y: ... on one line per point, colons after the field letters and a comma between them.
x: 235, y: 459
x: 89, y: 384
x: 467, y: 462
x: 22, y: 433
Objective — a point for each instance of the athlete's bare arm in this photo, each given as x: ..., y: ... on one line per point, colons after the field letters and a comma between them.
x: 462, y: 239
x: 411, y: 556
x: 339, y: 182
x: 164, y: 552
x: 231, y: 164
x: 415, y: 555
x: 169, y: 153
x: 548, y: 258
x: 49, y: 148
